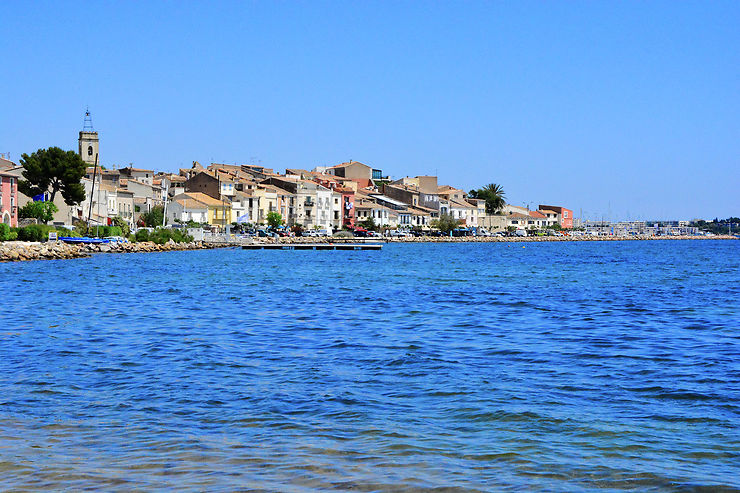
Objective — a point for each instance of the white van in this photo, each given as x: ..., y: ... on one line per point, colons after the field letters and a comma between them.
x: 520, y: 232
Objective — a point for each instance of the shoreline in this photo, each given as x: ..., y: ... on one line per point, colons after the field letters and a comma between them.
x: 15, y: 251
x: 484, y: 239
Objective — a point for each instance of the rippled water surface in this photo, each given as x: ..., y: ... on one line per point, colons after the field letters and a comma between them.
x: 465, y: 367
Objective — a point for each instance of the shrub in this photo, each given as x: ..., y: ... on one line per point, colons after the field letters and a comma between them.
x: 81, y: 229
x: 4, y: 232
x: 67, y: 232
x: 121, y: 223
x: 35, y: 232
x: 142, y: 235
x: 179, y: 236
x: 161, y: 236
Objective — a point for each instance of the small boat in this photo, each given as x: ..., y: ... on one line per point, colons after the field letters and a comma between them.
x: 83, y: 239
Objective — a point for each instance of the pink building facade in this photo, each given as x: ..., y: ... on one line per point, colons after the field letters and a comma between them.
x: 565, y: 215
x: 8, y: 199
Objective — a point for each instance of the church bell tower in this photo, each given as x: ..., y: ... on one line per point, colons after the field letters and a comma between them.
x: 88, y: 141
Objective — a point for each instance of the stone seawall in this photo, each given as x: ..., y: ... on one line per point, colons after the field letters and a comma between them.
x: 11, y: 251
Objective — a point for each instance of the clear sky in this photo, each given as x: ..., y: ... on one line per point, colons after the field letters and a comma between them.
x: 624, y: 110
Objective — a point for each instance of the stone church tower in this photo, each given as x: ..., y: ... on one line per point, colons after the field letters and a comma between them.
x: 88, y: 141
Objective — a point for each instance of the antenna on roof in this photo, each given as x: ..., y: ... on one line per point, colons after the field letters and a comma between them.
x: 88, y: 126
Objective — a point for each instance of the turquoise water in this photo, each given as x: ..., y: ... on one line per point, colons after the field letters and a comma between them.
x: 465, y: 367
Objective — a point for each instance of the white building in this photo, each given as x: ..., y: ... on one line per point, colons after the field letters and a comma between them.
x: 183, y: 208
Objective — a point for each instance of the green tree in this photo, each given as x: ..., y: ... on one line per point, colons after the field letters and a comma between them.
x: 41, y: 211
x: 53, y: 170
x: 369, y: 224
x: 121, y: 223
x: 154, y: 217
x: 4, y: 232
x: 274, y: 219
x: 493, y: 194
x: 445, y: 223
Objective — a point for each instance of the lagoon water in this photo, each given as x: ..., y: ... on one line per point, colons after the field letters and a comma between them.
x: 464, y: 367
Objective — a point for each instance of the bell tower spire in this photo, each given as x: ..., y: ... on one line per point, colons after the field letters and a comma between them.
x: 88, y: 126
x: 87, y: 144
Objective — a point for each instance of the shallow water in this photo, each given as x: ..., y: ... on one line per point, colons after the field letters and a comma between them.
x: 465, y: 367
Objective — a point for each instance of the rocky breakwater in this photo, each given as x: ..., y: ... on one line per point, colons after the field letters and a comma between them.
x: 12, y: 251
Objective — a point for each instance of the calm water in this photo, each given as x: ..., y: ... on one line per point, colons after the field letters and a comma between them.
x: 559, y: 366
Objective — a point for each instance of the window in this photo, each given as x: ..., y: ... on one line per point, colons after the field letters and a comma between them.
x: 89, y: 150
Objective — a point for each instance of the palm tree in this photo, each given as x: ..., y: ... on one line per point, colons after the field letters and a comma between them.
x: 493, y: 193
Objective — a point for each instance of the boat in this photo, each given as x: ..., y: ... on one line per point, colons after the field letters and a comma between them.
x: 83, y: 239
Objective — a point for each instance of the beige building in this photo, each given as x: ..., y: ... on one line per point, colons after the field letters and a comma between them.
x: 141, y: 175
x: 352, y: 169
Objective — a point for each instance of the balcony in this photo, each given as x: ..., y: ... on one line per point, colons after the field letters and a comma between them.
x: 309, y: 203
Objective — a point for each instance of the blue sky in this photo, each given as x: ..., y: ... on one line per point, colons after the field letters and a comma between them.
x: 619, y: 109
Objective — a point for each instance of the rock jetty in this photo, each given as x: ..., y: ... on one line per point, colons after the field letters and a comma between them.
x: 11, y: 251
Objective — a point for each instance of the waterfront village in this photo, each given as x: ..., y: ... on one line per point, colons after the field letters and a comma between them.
x: 350, y: 196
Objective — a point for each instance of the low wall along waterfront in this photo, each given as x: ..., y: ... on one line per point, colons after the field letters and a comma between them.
x: 21, y: 250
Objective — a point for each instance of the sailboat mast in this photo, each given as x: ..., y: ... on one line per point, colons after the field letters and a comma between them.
x: 92, y: 190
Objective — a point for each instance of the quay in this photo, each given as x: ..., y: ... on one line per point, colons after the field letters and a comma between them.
x: 312, y: 246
